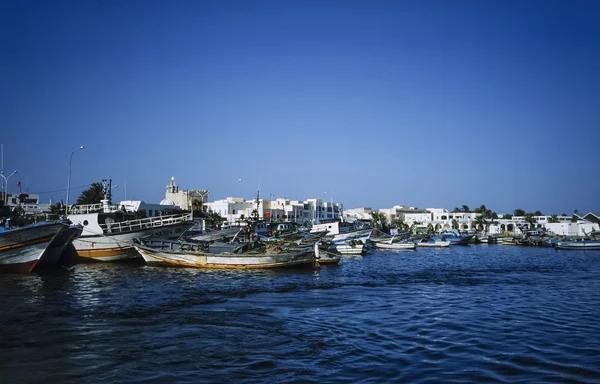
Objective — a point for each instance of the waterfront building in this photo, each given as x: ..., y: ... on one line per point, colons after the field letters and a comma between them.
x: 29, y: 203
x: 185, y: 198
x: 353, y: 214
x: 308, y: 211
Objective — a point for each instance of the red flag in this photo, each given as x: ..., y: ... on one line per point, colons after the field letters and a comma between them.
x: 19, y: 183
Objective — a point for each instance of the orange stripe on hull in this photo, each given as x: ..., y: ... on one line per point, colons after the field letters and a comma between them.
x: 26, y: 243
x: 108, y: 253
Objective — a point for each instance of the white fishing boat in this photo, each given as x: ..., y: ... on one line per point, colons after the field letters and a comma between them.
x: 587, y: 245
x: 24, y: 248
x: 245, y: 255
x: 344, y: 237
x: 109, y: 230
x: 433, y: 244
x: 397, y: 246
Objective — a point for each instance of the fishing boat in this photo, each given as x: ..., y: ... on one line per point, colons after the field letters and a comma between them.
x: 587, y: 244
x: 345, y: 238
x: 397, y: 246
x: 433, y: 243
x: 23, y: 249
x: 109, y: 230
x: 234, y: 255
x: 454, y: 238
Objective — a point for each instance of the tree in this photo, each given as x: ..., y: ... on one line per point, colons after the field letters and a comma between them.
x: 518, y: 212
x: 197, y: 205
x: 454, y: 224
x: 480, y: 221
x: 92, y: 195
x: 574, y: 219
x: 530, y: 219
x: 215, y: 219
x: 538, y: 213
x: 553, y: 219
x: 56, y: 211
x: 507, y: 216
x: 379, y: 219
x: 400, y: 224
x: 465, y: 208
x: 456, y: 209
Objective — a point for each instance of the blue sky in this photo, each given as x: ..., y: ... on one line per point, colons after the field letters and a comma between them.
x: 421, y: 103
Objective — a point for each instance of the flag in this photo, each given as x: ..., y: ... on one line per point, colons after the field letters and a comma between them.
x: 19, y: 183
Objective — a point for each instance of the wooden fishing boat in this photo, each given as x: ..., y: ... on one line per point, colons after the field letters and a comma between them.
x: 433, y: 244
x: 588, y: 245
x: 243, y: 255
x: 398, y: 246
x: 22, y: 249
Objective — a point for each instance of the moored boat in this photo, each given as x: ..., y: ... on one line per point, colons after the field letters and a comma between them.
x: 397, y: 246
x: 22, y: 249
x: 433, y: 244
x: 454, y: 238
x: 247, y: 255
x: 588, y: 245
x: 108, y: 230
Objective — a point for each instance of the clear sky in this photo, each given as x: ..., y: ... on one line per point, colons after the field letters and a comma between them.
x: 373, y: 103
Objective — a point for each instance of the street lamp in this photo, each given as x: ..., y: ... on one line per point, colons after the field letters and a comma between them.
x: 69, y: 179
x: 6, y: 182
x: 202, y: 197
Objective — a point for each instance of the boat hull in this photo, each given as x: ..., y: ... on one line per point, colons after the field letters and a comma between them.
x: 578, y: 245
x: 226, y: 260
x: 21, y: 249
x: 395, y: 246
x: 436, y: 244
x: 119, y: 246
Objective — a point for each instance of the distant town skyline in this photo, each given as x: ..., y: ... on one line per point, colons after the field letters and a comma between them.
x: 376, y: 104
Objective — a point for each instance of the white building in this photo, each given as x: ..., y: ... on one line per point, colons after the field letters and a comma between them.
x: 358, y: 214
x: 185, y: 198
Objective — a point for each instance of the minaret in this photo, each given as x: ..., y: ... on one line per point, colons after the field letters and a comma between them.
x: 172, y: 187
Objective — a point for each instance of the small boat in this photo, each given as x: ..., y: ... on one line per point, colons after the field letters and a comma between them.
x: 346, y: 238
x: 397, y: 246
x: 588, y: 245
x: 454, y: 238
x: 243, y: 255
x: 433, y: 244
x: 22, y: 249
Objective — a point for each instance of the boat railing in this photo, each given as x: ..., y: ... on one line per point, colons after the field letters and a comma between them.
x: 149, y: 222
x: 90, y: 208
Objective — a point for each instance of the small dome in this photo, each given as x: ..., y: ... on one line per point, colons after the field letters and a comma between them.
x: 167, y: 202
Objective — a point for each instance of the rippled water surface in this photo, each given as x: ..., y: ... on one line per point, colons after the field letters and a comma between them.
x: 462, y: 314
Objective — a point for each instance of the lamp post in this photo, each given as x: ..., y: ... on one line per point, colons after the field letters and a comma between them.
x: 202, y: 197
x: 6, y: 182
x: 69, y: 179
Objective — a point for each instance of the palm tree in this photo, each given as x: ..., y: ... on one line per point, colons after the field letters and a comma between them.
x: 465, y: 208
x: 379, y: 219
x: 93, y: 195
x: 518, y: 212
x: 454, y: 224
x: 197, y: 205
x: 215, y: 219
x: 530, y: 219
x: 480, y: 221
x: 456, y: 209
